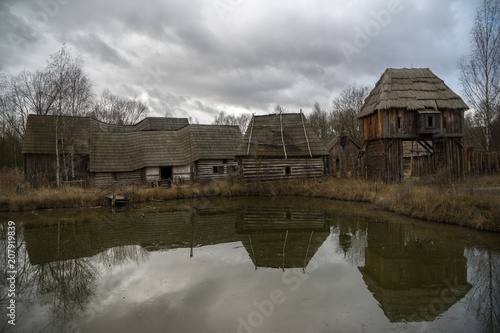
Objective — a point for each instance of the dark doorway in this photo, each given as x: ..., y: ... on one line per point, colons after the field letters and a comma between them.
x: 166, y: 172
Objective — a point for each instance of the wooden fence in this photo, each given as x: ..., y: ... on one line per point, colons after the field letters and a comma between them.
x: 475, y: 163
x: 478, y: 163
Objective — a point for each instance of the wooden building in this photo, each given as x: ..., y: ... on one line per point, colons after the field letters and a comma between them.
x: 155, y: 149
x: 340, y: 148
x: 412, y: 105
x: 281, y: 147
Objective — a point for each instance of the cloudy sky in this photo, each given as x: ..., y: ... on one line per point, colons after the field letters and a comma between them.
x: 194, y: 58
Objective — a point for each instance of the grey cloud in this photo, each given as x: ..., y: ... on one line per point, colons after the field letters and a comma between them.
x: 185, y: 58
x: 93, y: 44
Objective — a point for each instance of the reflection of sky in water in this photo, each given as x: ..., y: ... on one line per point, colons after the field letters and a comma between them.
x: 219, y: 288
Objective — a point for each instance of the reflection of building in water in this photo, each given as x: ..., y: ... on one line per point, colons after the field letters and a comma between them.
x: 414, y: 275
x: 152, y: 231
x: 282, y: 237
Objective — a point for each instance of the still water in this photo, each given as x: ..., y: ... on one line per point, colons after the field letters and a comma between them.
x: 248, y: 265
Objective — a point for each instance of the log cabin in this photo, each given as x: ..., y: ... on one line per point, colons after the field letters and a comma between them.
x: 281, y: 147
x: 150, y: 151
x: 412, y: 105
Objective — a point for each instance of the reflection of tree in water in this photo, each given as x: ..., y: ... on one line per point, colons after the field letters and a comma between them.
x: 484, y: 298
x: 352, y: 241
x: 66, y: 286
x: 122, y: 255
x: 69, y: 285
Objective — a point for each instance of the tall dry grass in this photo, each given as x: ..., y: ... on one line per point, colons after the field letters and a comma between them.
x: 460, y: 203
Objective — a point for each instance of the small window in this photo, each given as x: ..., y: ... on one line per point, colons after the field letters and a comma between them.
x: 399, y: 122
x: 114, y: 177
x: 430, y: 121
x: 288, y: 170
x: 218, y: 170
x: 224, y: 161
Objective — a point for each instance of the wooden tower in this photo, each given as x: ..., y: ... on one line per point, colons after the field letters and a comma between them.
x: 412, y: 107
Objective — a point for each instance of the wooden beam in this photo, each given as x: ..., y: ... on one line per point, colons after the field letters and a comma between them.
x: 305, y: 133
x: 425, y: 146
x: 282, y: 137
x: 250, y: 136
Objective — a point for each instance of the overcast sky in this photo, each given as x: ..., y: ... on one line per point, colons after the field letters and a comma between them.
x: 194, y: 58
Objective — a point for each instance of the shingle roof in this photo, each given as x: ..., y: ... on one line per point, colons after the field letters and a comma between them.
x: 120, y: 152
x: 152, y: 142
x: 411, y: 89
x: 40, y: 132
x: 281, y: 135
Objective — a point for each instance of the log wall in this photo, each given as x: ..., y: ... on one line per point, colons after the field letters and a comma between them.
x: 281, y: 169
x: 216, y: 169
x: 103, y: 179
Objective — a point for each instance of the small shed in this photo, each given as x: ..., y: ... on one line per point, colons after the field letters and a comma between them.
x: 412, y: 105
x: 281, y: 146
x: 340, y: 147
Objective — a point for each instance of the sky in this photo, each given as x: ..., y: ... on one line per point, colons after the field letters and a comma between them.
x: 194, y: 58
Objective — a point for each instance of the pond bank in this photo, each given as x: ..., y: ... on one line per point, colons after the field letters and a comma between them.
x: 458, y: 203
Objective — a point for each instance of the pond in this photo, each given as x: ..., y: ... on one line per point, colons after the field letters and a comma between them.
x: 246, y: 265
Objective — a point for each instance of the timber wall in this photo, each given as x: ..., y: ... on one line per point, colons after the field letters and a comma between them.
x: 205, y: 169
x: 276, y: 168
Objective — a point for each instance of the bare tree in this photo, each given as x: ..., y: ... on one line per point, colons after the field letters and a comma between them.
x: 112, y: 109
x: 480, y: 71
x: 227, y: 119
x: 345, y: 110
x: 62, y: 88
x: 320, y: 122
x: 29, y: 93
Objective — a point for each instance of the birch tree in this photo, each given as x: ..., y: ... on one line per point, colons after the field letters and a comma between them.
x: 480, y: 71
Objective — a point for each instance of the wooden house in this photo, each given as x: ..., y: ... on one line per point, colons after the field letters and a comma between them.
x: 155, y: 149
x: 339, y: 147
x: 412, y: 105
x: 281, y: 147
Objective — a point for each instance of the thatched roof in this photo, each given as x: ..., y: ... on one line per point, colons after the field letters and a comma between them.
x: 120, y: 152
x: 281, y: 135
x: 151, y: 142
x: 411, y: 89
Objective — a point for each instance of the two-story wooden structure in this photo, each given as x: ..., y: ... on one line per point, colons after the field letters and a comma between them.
x: 412, y: 105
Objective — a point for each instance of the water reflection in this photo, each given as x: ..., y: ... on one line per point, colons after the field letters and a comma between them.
x: 414, y: 276
x: 282, y: 237
x: 416, y: 272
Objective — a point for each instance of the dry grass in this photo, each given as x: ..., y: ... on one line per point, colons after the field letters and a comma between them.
x: 472, y: 208
x: 459, y: 203
x: 9, y: 179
